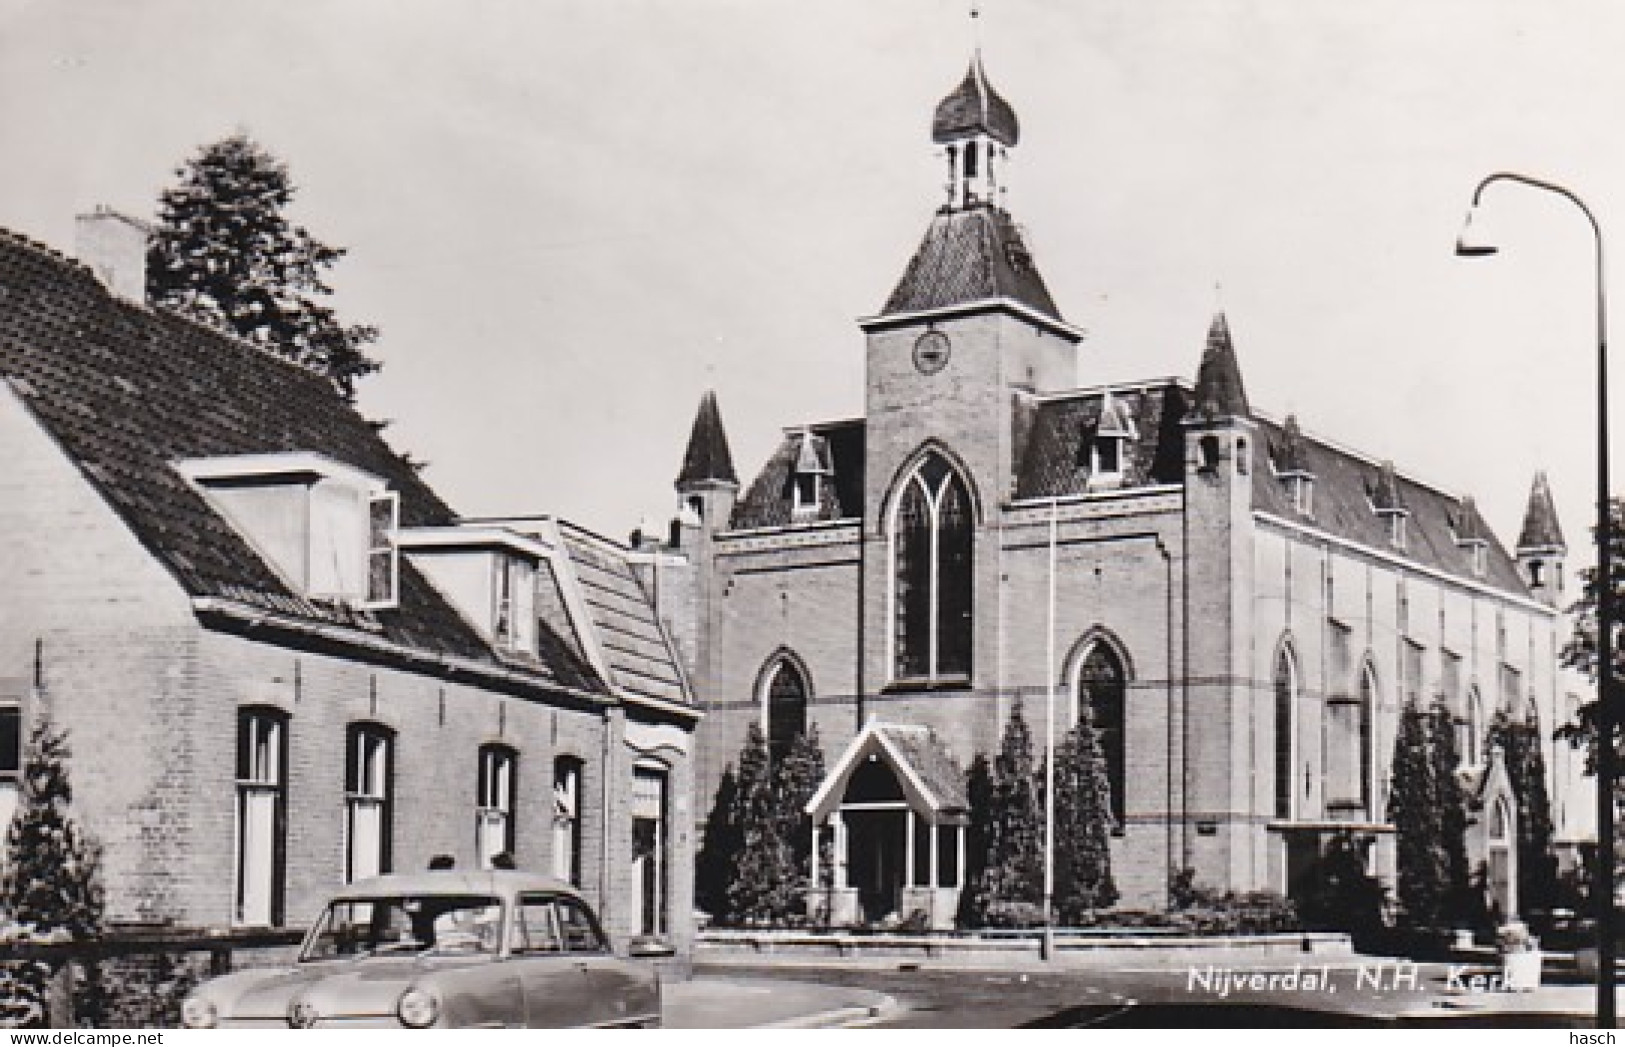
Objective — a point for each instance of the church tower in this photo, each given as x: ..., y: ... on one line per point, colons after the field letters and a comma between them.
x: 1219, y: 432
x: 1540, y: 545
x: 968, y: 329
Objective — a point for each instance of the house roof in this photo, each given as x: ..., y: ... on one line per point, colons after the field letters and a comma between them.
x: 1540, y: 527
x: 635, y: 646
x: 975, y: 108
x: 970, y: 255
x: 127, y: 391
x: 707, y: 456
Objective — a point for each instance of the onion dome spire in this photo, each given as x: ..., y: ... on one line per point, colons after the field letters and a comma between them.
x: 977, y: 128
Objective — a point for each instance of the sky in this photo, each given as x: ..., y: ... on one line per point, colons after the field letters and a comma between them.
x: 572, y: 217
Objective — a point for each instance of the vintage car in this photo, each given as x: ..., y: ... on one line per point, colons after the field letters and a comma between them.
x: 443, y: 949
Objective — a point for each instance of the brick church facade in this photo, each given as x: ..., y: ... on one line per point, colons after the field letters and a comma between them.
x: 1245, y: 607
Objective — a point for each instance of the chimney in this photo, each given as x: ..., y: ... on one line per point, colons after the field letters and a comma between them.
x: 115, y: 248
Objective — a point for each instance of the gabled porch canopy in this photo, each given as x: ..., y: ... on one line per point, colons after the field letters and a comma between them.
x: 932, y: 783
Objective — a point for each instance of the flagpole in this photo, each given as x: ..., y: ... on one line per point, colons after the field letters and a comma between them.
x: 1049, y: 745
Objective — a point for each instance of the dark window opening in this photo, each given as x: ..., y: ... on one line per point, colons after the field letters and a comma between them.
x: 786, y: 708
x: 933, y: 538
x: 1102, y: 689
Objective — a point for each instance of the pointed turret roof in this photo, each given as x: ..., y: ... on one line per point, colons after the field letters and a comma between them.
x: 975, y: 108
x: 1540, y: 527
x: 969, y: 256
x: 707, y: 457
x: 1219, y: 392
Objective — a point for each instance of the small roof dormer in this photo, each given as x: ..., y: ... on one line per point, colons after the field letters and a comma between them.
x: 1387, y: 503
x: 1291, y: 461
x: 812, y: 467
x: 1472, y: 535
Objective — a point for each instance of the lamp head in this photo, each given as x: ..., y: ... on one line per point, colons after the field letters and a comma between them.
x: 1471, y: 242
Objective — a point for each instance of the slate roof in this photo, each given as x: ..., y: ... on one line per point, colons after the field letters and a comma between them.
x: 931, y: 762
x: 970, y: 255
x: 768, y: 501
x: 1219, y: 390
x: 623, y: 617
x: 1053, y: 457
x: 1344, y: 486
x: 975, y: 108
x: 707, y: 456
x: 1540, y: 528
x: 126, y: 391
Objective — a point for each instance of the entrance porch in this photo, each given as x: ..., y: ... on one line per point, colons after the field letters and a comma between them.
x: 889, y: 825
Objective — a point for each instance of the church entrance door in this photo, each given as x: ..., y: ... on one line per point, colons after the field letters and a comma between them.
x: 875, y: 860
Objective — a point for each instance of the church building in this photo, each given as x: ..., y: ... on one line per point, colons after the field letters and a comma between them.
x: 1244, y: 607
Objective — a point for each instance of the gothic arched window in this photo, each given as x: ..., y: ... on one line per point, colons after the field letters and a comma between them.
x: 1286, y: 701
x: 931, y: 551
x: 1368, y: 712
x: 1102, y: 687
x: 786, y: 698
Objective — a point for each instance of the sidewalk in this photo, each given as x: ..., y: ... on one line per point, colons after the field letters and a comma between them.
x: 712, y: 1001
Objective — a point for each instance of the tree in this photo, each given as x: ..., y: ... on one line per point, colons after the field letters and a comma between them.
x: 1520, y: 744
x: 1344, y: 896
x: 1010, y: 888
x: 796, y: 777
x: 1581, y: 650
x: 224, y: 252
x: 761, y: 879
x: 51, y: 886
x: 1423, y: 871
x: 1083, y: 860
x: 718, y: 846
x: 979, y: 800
x: 1463, y: 904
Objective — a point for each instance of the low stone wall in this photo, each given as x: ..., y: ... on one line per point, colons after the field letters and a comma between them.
x: 812, y: 943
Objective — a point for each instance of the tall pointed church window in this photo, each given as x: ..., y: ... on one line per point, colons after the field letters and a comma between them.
x: 931, y: 550
x: 1102, y: 686
x: 786, y: 707
x: 1286, y: 700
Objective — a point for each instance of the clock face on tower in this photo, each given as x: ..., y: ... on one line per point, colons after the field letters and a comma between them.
x: 931, y: 352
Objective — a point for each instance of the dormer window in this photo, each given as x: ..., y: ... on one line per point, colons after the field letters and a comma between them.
x: 807, y: 484
x: 513, y: 613
x: 1470, y: 535
x: 805, y: 495
x: 1387, y: 502
x: 1108, y: 450
x: 329, y: 529
x: 1300, y: 488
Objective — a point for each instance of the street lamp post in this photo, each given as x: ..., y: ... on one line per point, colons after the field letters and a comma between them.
x: 1603, y: 880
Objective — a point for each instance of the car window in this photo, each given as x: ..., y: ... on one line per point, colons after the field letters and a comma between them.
x: 536, y: 926
x: 580, y: 930
x: 413, y: 924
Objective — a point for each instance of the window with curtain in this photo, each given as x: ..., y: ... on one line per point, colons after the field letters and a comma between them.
x: 262, y: 760
x: 567, y: 819
x: 368, y: 780
x: 494, y: 804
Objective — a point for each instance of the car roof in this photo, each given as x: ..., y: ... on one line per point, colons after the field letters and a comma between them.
x: 500, y: 882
